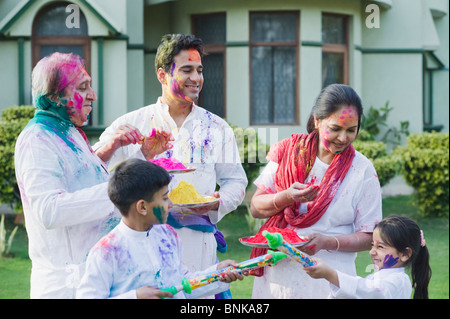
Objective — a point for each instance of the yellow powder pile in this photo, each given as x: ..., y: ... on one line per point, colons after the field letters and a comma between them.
x: 185, y: 193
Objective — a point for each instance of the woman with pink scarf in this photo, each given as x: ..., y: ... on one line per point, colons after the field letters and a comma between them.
x: 318, y: 185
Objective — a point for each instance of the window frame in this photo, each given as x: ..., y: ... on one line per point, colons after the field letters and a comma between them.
x: 215, y: 48
x: 295, y: 44
x: 339, y: 48
x: 76, y: 40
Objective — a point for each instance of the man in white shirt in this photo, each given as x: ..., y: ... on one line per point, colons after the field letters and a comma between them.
x: 201, y: 139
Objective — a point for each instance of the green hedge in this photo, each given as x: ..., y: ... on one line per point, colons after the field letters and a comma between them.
x: 426, y: 169
x: 12, y: 122
x: 250, y: 150
x: 386, y: 165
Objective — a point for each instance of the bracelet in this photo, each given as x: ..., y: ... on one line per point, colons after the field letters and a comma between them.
x: 337, y: 243
x: 274, y: 204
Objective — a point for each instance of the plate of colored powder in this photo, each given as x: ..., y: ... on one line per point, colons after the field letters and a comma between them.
x: 172, y: 165
x: 185, y: 195
x: 289, y: 235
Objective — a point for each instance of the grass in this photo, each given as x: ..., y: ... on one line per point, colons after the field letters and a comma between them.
x: 15, y: 270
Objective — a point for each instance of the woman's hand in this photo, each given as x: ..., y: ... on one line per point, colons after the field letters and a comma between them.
x: 302, y: 193
x: 318, y: 242
x: 156, y: 143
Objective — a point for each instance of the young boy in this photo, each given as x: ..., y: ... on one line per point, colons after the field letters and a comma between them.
x: 142, y: 254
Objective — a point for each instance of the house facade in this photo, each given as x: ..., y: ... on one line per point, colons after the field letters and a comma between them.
x: 267, y: 60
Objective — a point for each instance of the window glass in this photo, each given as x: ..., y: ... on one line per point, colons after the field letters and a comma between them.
x: 274, y: 68
x: 53, y: 22
x: 332, y: 68
x: 333, y: 29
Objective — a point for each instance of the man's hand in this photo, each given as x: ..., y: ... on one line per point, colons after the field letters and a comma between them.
x: 156, y: 143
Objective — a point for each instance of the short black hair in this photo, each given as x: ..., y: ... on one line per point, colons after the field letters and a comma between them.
x: 171, y: 45
x: 133, y: 180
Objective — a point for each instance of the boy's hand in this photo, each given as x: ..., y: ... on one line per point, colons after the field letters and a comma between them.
x: 149, y: 292
x: 231, y: 276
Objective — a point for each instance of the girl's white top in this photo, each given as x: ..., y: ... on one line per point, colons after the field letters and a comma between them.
x: 389, y: 283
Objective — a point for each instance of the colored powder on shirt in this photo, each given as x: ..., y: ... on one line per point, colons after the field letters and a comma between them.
x: 168, y: 163
x: 185, y: 193
x: 289, y: 235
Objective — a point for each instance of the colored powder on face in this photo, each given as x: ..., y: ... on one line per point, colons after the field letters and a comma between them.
x: 194, y: 55
x: 168, y: 163
x: 185, y: 193
x: 389, y: 261
x: 159, y: 214
x: 289, y: 235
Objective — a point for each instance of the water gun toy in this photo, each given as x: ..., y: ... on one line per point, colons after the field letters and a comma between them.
x: 276, y: 241
x: 187, y: 285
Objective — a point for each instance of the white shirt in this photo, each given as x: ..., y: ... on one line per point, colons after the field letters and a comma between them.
x: 66, y: 206
x: 125, y: 260
x: 356, y: 207
x: 204, y: 141
x: 389, y: 283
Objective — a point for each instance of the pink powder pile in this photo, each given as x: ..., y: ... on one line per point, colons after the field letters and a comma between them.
x: 168, y: 163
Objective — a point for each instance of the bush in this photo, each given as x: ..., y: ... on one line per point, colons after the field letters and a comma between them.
x: 250, y: 150
x: 426, y: 169
x: 12, y: 122
x: 386, y: 165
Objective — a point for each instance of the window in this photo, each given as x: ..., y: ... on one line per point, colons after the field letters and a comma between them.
x: 211, y: 28
x: 274, y: 42
x: 50, y: 34
x: 334, y: 49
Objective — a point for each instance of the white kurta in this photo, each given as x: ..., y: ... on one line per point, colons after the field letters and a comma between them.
x: 356, y: 207
x: 66, y: 206
x: 389, y: 283
x: 204, y: 141
x: 125, y: 260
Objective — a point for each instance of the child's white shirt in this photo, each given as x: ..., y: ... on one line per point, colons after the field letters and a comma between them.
x: 389, y: 283
x: 125, y: 260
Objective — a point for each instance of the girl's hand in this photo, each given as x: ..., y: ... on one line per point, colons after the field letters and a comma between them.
x: 302, y: 193
x: 156, y: 143
x: 322, y: 270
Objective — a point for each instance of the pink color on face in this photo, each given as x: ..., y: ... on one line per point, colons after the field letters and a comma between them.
x: 69, y: 72
x: 338, y: 130
x: 78, y: 101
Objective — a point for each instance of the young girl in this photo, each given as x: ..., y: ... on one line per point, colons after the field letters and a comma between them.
x: 397, y: 242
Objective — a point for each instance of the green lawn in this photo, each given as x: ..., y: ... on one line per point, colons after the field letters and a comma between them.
x: 15, y: 271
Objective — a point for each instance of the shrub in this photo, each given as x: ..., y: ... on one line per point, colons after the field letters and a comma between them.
x: 386, y: 165
x: 12, y: 122
x: 251, y: 149
x: 426, y: 169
